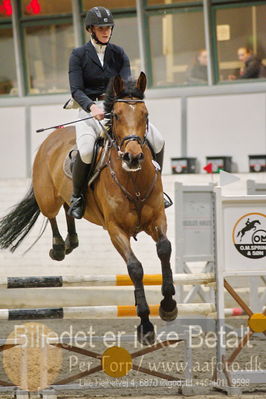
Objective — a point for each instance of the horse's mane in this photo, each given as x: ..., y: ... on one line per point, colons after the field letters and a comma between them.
x: 129, y: 90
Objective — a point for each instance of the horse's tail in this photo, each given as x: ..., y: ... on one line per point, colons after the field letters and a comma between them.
x: 15, y: 226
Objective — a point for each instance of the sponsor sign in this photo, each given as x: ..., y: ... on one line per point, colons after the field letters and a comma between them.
x: 249, y: 235
x: 244, y: 238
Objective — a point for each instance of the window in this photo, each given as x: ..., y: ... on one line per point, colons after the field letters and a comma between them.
x: 5, y: 9
x: 178, y: 48
x: 46, y: 7
x: 160, y: 2
x: 47, y: 44
x: 8, y: 80
x: 125, y: 34
x: 241, y: 44
x: 174, y: 33
x: 47, y: 49
x: 114, y: 4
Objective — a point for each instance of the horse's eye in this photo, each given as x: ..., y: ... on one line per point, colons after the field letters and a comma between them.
x: 115, y: 116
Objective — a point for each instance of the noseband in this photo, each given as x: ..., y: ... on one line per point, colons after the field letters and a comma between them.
x: 131, y: 137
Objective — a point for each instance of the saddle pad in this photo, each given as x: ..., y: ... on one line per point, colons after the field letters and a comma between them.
x: 70, y: 158
x: 98, y: 162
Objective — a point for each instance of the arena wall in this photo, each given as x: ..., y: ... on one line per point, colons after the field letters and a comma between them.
x: 233, y: 125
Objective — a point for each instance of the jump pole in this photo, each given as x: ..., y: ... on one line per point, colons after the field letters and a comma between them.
x: 99, y: 312
x: 101, y: 280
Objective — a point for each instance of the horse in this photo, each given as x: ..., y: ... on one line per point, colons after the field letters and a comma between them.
x: 127, y: 197
x: 248, y: 227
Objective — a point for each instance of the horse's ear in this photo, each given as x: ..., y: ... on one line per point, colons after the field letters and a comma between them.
x: 142, y: 82
x: 118, y: 85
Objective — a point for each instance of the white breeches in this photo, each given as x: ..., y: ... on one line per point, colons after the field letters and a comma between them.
x: 87, y: 132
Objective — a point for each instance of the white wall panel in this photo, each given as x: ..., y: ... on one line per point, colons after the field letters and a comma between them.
x: 227, y: 125
x: 44, y: 116
x: 165, y: 114
x: 13, y: 142
x: 217, y: 125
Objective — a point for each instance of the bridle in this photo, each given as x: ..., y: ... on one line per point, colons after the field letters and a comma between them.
x: 131, y: 137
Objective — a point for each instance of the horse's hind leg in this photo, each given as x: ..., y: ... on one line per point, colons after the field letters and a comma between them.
x: 49, y: 202
x: 71, y: 241
x: 58, y: 250
x: 121, y: 242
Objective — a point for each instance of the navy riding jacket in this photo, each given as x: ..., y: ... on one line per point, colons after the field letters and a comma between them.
x: 88, y: 78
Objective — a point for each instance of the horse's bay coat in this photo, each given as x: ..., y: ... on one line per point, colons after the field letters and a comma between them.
x: 127, y: 197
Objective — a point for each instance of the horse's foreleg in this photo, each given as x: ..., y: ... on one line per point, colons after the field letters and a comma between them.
x: 168, y: 309
x: 71, y: 241
x: 145, y: 330
x: 58, y: 250
x: 121, y: 241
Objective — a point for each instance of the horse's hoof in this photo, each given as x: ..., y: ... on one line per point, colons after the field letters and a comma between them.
x: 71, y: 243
x: 167, y: 315
x: 57, y: 255
x: 146, y: 334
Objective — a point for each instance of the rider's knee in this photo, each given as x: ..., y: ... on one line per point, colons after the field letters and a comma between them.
x: 85, y: 155
x: 155, y: 138
x: 159, y: 145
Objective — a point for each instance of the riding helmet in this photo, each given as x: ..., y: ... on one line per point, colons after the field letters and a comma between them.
x: 99, y: 16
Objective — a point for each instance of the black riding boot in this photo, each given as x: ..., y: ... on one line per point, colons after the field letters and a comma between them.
x: 80, y: 173
x: 159, y: 158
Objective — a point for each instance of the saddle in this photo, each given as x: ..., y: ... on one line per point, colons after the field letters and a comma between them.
x: 99, y: 162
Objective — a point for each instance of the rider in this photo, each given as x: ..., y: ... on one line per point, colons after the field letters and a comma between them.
x: 90, y: 68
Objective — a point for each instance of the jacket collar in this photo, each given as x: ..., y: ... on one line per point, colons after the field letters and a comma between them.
x: 100, y: 49
x: 94, y: 56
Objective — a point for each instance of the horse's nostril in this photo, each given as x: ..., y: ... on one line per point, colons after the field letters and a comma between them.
x: 141, y: 156
x: 127, y: 156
